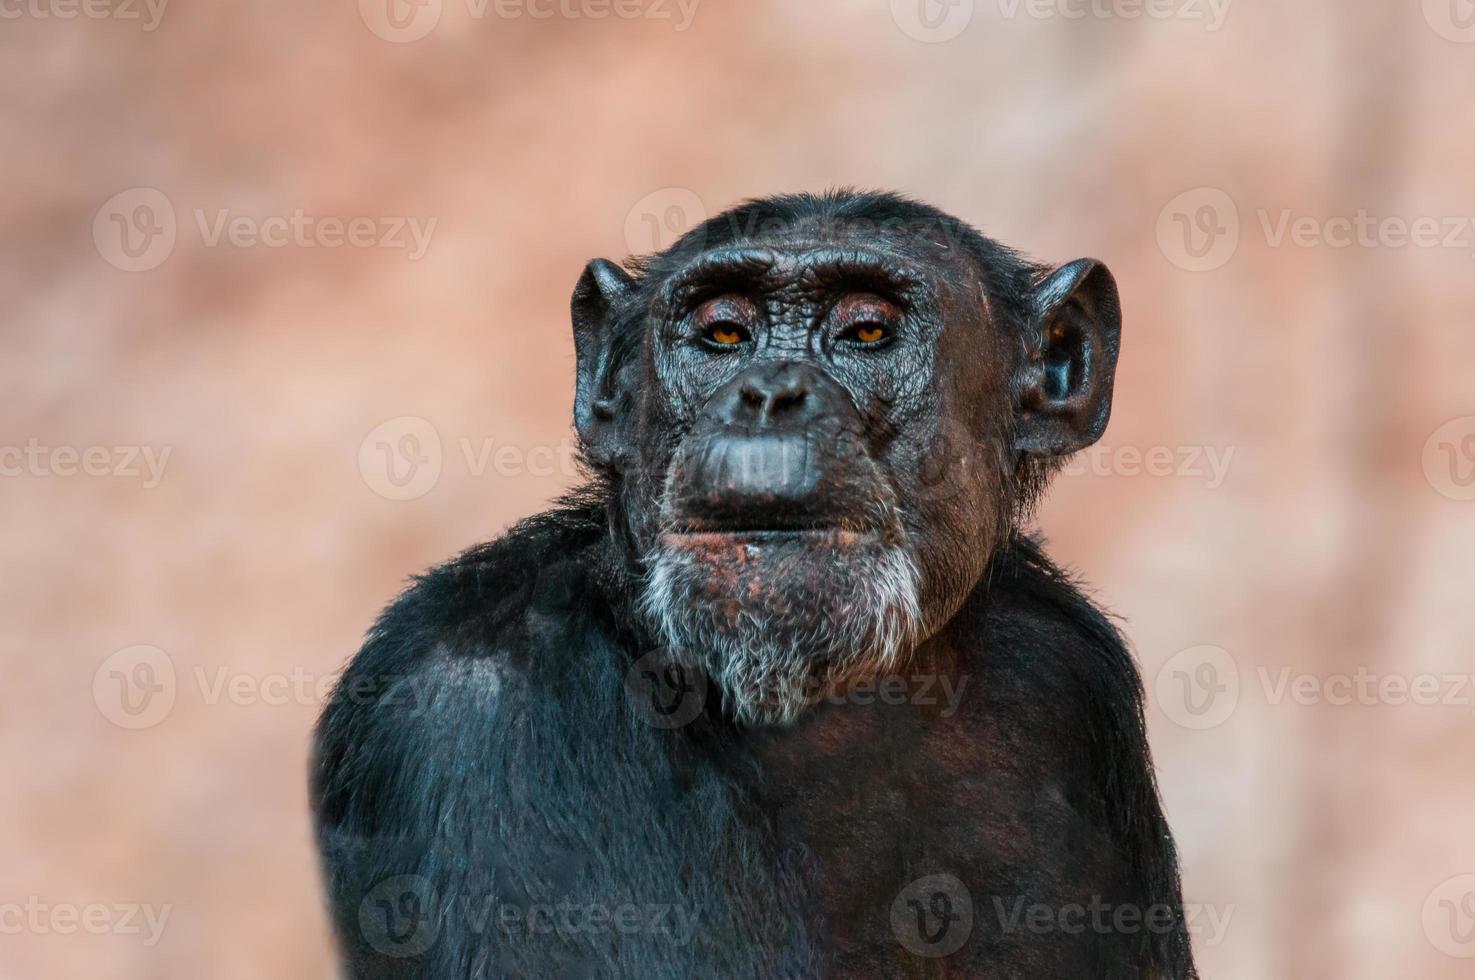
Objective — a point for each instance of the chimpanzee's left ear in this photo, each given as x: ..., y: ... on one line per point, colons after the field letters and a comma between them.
x: 1063, y: 387
x: 597, y: 398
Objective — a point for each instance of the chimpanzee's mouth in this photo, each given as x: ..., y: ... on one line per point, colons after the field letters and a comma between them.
x: 791, y: 487
x: 702, y: 536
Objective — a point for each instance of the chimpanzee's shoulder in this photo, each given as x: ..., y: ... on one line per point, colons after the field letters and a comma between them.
x: 543, y: 561
x: 1028, y: 592
x: 476, y: 653
x: 515, y: 599
x: 1036, y: 627
x: 461, y: 650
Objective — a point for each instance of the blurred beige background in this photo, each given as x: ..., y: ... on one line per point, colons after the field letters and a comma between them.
x: 245, y: 401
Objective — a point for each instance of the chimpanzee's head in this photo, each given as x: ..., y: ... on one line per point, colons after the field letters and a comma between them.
x: 820, y: 415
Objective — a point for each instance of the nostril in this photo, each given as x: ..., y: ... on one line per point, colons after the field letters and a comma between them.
x: 788, y: 398
x: 768, y: 395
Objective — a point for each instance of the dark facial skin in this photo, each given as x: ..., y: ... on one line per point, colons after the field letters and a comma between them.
x: 917, y: 377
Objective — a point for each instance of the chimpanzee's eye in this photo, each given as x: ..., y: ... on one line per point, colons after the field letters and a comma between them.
x: 725, y: 334
x: 725, y: 321
x: 866, y: 320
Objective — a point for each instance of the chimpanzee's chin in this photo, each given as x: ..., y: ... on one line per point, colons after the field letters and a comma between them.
x: 777, y: 619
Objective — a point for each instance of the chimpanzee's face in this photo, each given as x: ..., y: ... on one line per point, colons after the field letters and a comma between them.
x: 819, y: 459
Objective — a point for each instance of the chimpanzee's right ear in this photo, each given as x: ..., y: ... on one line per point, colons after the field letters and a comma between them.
x: 600, y: 290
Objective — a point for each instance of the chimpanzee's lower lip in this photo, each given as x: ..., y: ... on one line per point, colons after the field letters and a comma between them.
x: 809, y: 537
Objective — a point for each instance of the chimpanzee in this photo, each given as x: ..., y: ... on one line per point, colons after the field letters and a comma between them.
x: 784, y: 690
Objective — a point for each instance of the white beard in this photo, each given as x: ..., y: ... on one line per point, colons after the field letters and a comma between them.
x: 772, y: 659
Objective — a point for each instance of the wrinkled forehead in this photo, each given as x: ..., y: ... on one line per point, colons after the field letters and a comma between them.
x: 913, y: 268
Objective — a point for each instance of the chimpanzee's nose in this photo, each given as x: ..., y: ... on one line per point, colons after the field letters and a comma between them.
x: 786, y: 395
x: 777, y: 446
x: 772, y: 391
